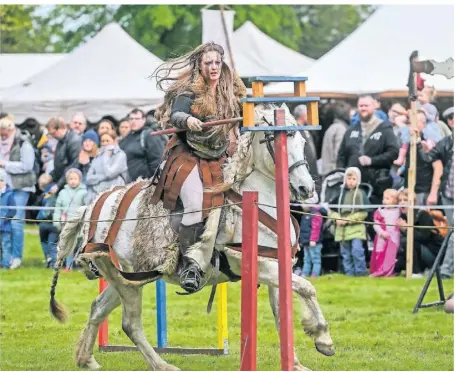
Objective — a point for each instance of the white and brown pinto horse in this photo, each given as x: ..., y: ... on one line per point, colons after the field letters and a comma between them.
x: 144, y: 244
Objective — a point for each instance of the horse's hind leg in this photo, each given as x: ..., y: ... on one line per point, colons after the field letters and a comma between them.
x: 131, y: 298
x: 102, y: 306
x: 312, y: 320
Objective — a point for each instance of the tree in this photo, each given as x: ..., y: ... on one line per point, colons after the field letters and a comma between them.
x: 324, y: 26
x: 17, y: 32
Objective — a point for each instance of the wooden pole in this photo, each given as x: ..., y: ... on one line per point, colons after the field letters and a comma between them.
x: 103, y: 332
x: 226, y: 35
x: 411, y: 190
x: 284, y: 245
x: 249, y: 304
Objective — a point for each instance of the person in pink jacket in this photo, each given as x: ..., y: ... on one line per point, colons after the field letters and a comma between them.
x: 311, y: 242
x: 387, y: 240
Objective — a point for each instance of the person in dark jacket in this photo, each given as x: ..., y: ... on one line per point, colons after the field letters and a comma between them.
x: 443, y: 151
x: 143, y: 151
x: 67, y: 151
x: 47, y: 231
x: 426, y: 243
x: 6, y: 231
x: 371, y: 146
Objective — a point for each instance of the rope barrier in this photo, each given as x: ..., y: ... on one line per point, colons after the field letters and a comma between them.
x: 121, y: 219
x: 363, y: 222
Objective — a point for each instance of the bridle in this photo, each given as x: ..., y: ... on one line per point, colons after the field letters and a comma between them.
x: 269, y: 138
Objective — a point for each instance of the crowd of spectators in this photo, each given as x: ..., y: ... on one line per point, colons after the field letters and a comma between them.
x: 70, y: 164
x: 369, y: 146
x: 66, y: 165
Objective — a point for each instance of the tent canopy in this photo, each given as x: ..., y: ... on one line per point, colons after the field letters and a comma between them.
x: 107, y: 75
x: 375, y: 57
x: 17, y: 67
x: 255, y: 54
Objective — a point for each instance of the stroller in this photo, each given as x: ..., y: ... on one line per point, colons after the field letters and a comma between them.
x: 330, y: 194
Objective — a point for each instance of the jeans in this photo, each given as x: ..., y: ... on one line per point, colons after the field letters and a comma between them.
x: 48, y: 235
x: 21, y: 199
x: 7, y: 248
x: 421, y: 198
x: 447, y: 263
x: 353, y: 256
x: 312, y: 258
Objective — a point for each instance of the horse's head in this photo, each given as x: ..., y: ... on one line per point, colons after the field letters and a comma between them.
x: 301, y: 183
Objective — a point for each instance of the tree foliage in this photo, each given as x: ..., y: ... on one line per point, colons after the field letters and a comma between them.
x: 168, y: 30
x: 18, y: 33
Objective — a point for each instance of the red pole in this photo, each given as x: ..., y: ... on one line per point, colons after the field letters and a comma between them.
x: 103, y: 331
x: 284, y: 245
x: 248, y: 344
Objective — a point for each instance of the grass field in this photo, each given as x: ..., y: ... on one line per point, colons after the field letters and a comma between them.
x: 371, y: 323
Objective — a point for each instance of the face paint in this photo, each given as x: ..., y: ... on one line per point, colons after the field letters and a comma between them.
x: 211, y: 66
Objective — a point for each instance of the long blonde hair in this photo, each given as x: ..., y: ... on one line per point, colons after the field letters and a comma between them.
x: 182, y: 75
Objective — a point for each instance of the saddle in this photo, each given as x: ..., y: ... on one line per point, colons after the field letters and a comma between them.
x: 179, y: 164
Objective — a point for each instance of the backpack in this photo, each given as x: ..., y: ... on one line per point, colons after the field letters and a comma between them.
x: 440, y: 222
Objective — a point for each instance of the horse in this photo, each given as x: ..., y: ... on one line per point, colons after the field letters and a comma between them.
x: 146, y: 241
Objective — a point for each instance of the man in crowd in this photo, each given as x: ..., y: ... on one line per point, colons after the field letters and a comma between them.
x: 67, y: 151
x: 78, y: 123
x: 428, y: 175
x: 443, y: 151
x: 371, y: 146
x: 143, y: 151
x: 300, y: 114
x: 17, y: 158
x: 448, y: 116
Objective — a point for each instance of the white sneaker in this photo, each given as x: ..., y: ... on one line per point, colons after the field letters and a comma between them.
x: 15, y: 263
x: 415, y: 276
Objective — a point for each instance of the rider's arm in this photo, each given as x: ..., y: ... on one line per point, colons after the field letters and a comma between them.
x: 181, y: 111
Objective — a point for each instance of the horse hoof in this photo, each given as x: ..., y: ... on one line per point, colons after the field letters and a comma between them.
x: 91, y: 365
x: 299, y: 367
x: 168, y: 367
x: 324, y: 349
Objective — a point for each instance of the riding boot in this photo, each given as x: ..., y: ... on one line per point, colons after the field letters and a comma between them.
x: 190, y: 278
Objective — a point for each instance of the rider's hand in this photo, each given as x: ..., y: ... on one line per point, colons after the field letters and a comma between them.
x: 194, y: 124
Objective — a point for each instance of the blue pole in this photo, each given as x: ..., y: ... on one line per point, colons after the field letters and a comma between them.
x: 161, y: 321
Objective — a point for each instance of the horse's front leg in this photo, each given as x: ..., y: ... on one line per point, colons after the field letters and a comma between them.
x: 274, y: 304
x: 312, y: 320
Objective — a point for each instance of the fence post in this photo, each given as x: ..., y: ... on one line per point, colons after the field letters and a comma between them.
x: 284, y: 244
x: 248, y: 344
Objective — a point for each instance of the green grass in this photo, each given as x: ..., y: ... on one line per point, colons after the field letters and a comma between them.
x: 371, y: 323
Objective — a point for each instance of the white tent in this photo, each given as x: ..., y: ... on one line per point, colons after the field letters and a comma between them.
x: 257, y: 54
x: 107, y: 75
x: 375, y: 57
x: 17, y: 67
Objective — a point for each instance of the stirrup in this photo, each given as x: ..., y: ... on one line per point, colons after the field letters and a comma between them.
x: 190, y: 280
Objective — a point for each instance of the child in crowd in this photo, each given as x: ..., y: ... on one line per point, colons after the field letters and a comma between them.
x: 48, y: 233
x: 430, y: 131
x: 6, y: 200
x: 350, y: 231
x: 69, y: 200
x: 311, y: 242
x: 387, y: 240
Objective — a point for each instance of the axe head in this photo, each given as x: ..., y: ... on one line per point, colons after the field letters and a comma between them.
x: 432, y: 67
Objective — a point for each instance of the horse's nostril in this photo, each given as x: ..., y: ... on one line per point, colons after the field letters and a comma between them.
x: 303, y: 190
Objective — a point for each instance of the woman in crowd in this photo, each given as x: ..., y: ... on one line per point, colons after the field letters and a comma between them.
x: 90, y: 143
x: 105, y: 126
x: 124, y: 128
x: 108, y: 168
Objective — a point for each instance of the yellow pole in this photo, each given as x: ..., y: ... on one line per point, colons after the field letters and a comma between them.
x: 223, y: 342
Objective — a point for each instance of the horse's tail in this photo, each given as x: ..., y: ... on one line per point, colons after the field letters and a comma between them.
x: 67, y: 241
x: 57, y: 310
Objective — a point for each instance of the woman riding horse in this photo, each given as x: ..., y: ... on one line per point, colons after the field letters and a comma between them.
x: 201, y: 87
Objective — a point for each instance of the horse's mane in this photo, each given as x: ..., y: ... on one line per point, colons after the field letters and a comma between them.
x: 239, y: 166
